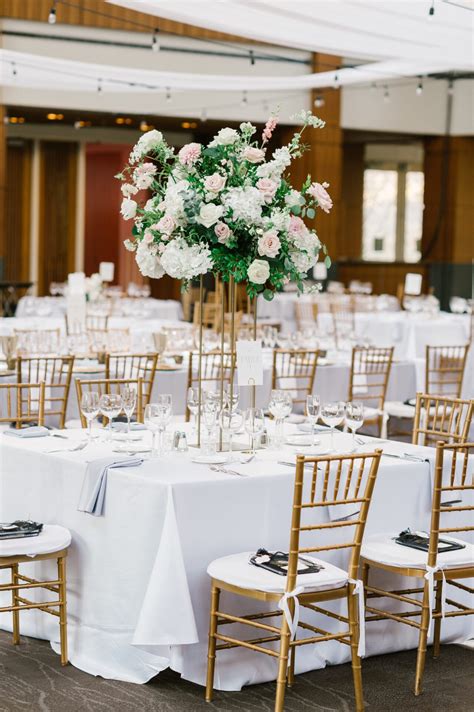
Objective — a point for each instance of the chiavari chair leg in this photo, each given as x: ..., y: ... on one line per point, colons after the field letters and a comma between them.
x: 365, y: 575
x: 15, y: 602
x: 291, y: 667
x: 282, y: 665
x: 421, y: 657
x: 62, y: 609
x: 437, y: 621
x: 211, y: 654
x: 356, y: 665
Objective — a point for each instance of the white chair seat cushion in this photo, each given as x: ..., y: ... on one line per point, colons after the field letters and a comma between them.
x: 383, y: 549
x: 52, y: 538
x: 371, y: 413
x: 397, y: 409
x: 237, y: 571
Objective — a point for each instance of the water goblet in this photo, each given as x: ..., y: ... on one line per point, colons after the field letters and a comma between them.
x: 129, y: 401
x: 163, y: 416
x: 90, y: 410
x: 254, y: 421
x: 354, y: 418
x: 332, y: 414
x: 110, y: 405
x: 280, y: 407
x: 230, y: 421
x: 313, y: 407
x: 231, y: 397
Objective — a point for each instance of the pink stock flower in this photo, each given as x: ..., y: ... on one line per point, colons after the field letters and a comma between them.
x: 269, y: 129
x: 269, y: 244
x: 268, y: 188
x: 143, y: 175
x: 189, y: 154
x: 319, y: 193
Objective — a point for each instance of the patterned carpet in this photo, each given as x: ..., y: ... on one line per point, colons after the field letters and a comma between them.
x: 31, y: 680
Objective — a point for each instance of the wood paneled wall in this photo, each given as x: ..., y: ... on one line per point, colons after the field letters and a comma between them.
x: 385, y: 276
x: 17, y: 219
x: 352, y: 195
x: 3, y: 160
x: 57, y: 220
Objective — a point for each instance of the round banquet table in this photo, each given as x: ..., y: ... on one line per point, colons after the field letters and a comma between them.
x: 139, y: 308
x: 138, y: 592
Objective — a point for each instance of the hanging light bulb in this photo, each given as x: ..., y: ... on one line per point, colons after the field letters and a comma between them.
x: 450, y: 88
x: 52, y: 15
x: 155, y: 42
x: 14, y: 70
x: 168, y: 95
x: 203, y: 115
x: 319, y: 101
x: 244, y: 101
x: 99, y: 85
x: 336, y: 81
x: 252, y: 57
x: 431, y: 11
x: 419, y: 87
x: 386, y: 95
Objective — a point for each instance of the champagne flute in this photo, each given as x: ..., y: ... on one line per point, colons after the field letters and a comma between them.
x: 354, y: 418
x: 280, y: 407
x: 150, y: 418
x: 110, y: 405
x: 192, y: 401
x: 90, y: 409
x: 254, y: 425
x: 230, y: 422
x: 332, y: 414
x: 129, y: 401
x: 231, y: 396
x: 163, y: 416
x: 313, y: 407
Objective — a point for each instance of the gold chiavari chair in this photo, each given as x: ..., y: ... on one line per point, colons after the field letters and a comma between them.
x: 453, y: 485
x: 306, y: 314
x: 22, y: 551
x: 37, y: 340
x: 370, y: 371
x: 109, y: 385
x: 438, y: 418
x: 320, y: 482
x: 22, y: 403
x: 97, y: 321
x: 56, y: 372
x: 294, y: 370
x: 133, y: 366
x: 213, y: 371
x: 111, y: 340
x: 343, y: 318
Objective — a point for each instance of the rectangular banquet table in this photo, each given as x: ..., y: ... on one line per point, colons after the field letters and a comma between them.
x: 138, y: 592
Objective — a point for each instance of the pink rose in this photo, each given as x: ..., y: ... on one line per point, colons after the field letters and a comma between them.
x: 297, y: 226
x: 148, y: 237
x: 268, y: 188
x: 143, y: 175
x: 269, y: 244
x: 321, y: 196
x: 269, y: 129
x: 214, y: 183
x: 189, y: 154
x: 253, y: 155
x: 166, y: 224
x: 223, y: 232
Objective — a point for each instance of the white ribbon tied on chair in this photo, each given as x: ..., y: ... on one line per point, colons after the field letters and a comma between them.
x: 292, y: 620
x: 359, y: 591
x: 429, y: 576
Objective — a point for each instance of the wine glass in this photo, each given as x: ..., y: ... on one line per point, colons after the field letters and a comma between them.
x: 332, y: 414
x: 230, y: 421
x: 129, y: 401
x: 90, y: 409
x: 163, y: 416
x: 231, y: 396
x: 254, y: 425
x: 209, y: 415
x: 110, y: 405
x: 192, y: 401
x: 150, y: 418
x: 280, y: 407
x: 313, y: 407
x: 354, y: 418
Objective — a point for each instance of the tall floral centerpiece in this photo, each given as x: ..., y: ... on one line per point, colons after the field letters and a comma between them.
x: 227, y: 208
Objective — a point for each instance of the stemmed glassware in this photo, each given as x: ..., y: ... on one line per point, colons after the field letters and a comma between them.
x: 129, y: 401
x: 210, y: 412
x: 254, y: 421
x: 163, y: 416
x: 332, y: 414
x: 231, y: 397
x: 354, y: 418
x: 110, y: 405
x: 192, y: 401
x: 150, y: 418
x: 313, y: 407
x: 90, y: 409
x: 280, y: 407
x: 230, y: 422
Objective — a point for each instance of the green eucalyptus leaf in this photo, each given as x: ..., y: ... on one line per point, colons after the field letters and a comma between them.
x: 295, y: 209
x: 311, y: 213
x: 327, y: 261
x: 268, y: 295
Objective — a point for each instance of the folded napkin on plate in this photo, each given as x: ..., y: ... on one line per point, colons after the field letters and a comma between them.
x: 121, y: 427
x: 92, y: 496
x: 36, y: 431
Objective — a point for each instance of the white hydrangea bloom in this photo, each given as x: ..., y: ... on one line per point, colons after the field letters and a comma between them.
x: 245, y: 203
x: 279, y: 219
x: 183, y: 261
x: 148, y: 261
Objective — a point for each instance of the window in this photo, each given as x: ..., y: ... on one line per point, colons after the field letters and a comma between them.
x: 392, y: 213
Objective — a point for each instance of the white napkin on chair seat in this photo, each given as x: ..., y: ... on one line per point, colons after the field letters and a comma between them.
x: 92, y: 496
x: 35, y: 431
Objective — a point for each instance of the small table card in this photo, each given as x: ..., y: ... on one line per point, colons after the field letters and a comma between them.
x: 249, y: 363
x: 413, y: 283
x: 106, y: 271
x: 76, y: 283
x: 76, y: 312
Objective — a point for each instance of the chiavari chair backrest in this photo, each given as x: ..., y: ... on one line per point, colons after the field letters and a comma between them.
x: 439, y: 418
x: 56, y: 372
x: 331, y: 481
x: 111, y: 340
x: 294, y: 370
x: 213, y: 371
x: 343, y: 317
x: 22, y: 403
x: 97, y: 321
x: 37, y: 341
x: 445, y: 369
x: 133, y: 366
x: 370, y: 371
x: 306, y: 314
x: 453, y: 480
x: 109, y: 385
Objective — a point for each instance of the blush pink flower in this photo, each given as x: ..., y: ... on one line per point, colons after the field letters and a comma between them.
x: 223, y: 232
x: 189, y: 154
x: 166, y: 225
x: 148, y: 237
x: 215, y: 183
x: 253, y: 155
x: 319, y: 193
x: 269, y: 129
x: 269, y: 244
x: 297, y: 226
x: 143, y: 175
x: 268, y: 188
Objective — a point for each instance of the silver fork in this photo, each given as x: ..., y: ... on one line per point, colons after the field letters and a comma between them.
x: 79, y: 446
x: 226, y: 471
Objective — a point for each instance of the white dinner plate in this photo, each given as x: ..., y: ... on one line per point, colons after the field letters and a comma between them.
x: 302, y: 440
x: 131, y: 448
x: 210, y: 459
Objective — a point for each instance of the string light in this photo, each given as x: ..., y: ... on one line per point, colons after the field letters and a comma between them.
x: 244, y: 101
x: 450, y: 88
x: 52, y: 15
x: 155, y: 42
x: 336, y: 81
x: 431, y: 11
x: 203, y: 116
x: 386, y: 95
x: 319, y: 101
x: 14, y: 70
x: 99, y: 85
x: 419, y: 88
x: 168, y: 95
x: 252, y: 57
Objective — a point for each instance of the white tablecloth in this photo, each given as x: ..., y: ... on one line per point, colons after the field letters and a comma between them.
x: 149, y: 308
x: 138, y: 593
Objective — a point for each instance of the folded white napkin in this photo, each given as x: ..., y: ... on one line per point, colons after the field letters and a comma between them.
x: 36, y: 431
x: 92, y: 496
x: 121, y: 427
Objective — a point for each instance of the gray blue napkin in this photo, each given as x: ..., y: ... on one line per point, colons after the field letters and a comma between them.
x: 92, y: 496
x: 36, y: 431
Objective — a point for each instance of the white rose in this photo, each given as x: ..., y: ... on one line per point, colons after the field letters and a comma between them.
x: 215, y: 183
x: 128, y: 190
x: 253, y: 155
x: 226, y: 137
x: 128, y: 208
x: 209, y: 214
x: 258, y: 272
